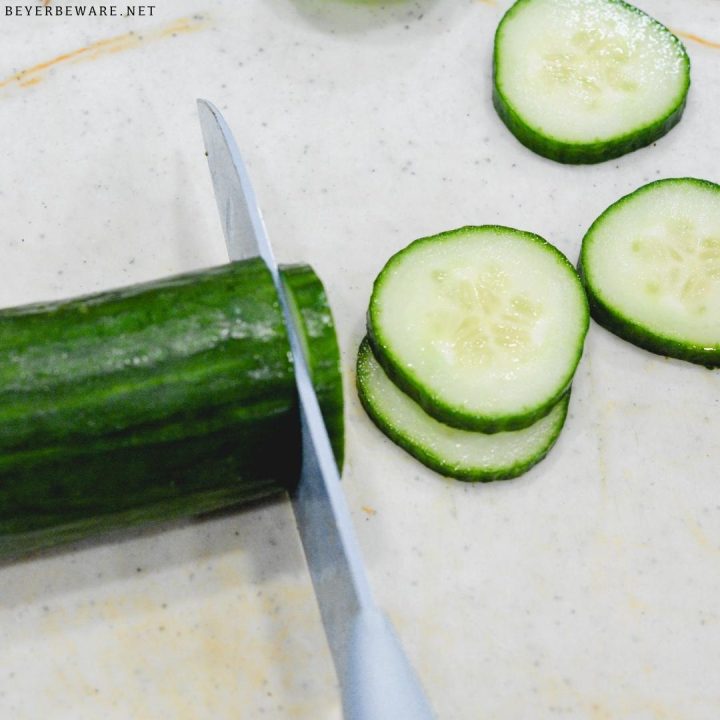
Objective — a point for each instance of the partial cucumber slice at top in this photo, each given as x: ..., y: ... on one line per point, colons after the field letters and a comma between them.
x: 456, y: 453
x: 582, y: 81
x: 651, y: 265
x: 482, y: 326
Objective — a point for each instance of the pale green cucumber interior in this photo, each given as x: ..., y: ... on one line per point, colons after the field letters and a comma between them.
x: 455, y: 450
x: 489, y: 320
x: 588, y: 70
x: 654, y: 258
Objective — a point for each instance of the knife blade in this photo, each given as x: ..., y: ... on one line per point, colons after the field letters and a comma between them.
x: 377, y: 681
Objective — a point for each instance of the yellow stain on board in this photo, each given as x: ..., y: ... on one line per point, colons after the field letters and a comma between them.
x: 698, y: 39
x: 700, y: 535
x: 559, y: 693
x: 118, y: 43
x: 635, y: 604
x: 194, y: 634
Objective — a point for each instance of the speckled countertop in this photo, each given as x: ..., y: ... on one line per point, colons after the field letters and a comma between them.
x: 586, y: 589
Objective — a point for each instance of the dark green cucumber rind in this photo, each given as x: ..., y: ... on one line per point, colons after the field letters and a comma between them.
x: 433, y: 404
x: 200, y: 334
x: 626, y: 329
x: 310, y: 304
x: 21, y: 538
x: 594, y: 152
x: 617, y: 322
x: 436, y: 462
x: 91, y: 441
x: 198, y: 371
x: 587, y: 153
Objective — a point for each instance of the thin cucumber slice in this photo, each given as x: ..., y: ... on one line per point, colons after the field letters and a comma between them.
x: 481, y: 326
x: 309, y: 303
x: 582, y: 81
x: 651, y: 266
x: 456, y: 453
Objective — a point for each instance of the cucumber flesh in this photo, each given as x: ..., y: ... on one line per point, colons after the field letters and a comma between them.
x: 651, y: 266
x: 460, y: 454
x: 482, y: 326
x: 582, y: 81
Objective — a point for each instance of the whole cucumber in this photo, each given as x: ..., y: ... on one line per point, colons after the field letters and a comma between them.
x: 156, y: 401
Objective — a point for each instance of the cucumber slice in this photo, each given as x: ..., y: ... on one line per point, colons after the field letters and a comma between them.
x: 651, y: 266
x: 456, y: 453
x: 309, y: 303
x: 582, y: 81
x: 482, y: 326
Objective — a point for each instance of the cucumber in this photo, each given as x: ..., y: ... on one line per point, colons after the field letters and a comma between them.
x: 308, y: 301
x: 651, y: 267
x: 153, y: 402
x: 582, y: 81
x: 460, y: 454
x: 482, y: 326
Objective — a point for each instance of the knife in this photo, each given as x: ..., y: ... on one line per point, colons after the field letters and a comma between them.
x: 376, y: 679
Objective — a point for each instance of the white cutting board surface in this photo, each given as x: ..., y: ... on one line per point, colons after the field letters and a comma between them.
x: 589, y: 588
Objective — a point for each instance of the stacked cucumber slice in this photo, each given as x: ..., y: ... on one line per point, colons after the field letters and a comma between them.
x: 448, y: 450
x: 582, y: 81
x: 473, y: 339
x: 651, y: 267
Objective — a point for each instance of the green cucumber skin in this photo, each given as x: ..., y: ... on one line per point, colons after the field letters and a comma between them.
x: 310, y: 300
x: 435, y: 406
x: 584, y: 153
x: 618, y: 323
x: 436, y: 462
x: 92, y: 439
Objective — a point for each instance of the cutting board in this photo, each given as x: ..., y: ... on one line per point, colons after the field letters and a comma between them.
x: 586, y: 589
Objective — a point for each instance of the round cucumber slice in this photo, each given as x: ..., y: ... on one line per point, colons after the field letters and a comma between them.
x: 456, y: 453
x: 582, y: 81
x: 481, y: 326
x: 651, y: 266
